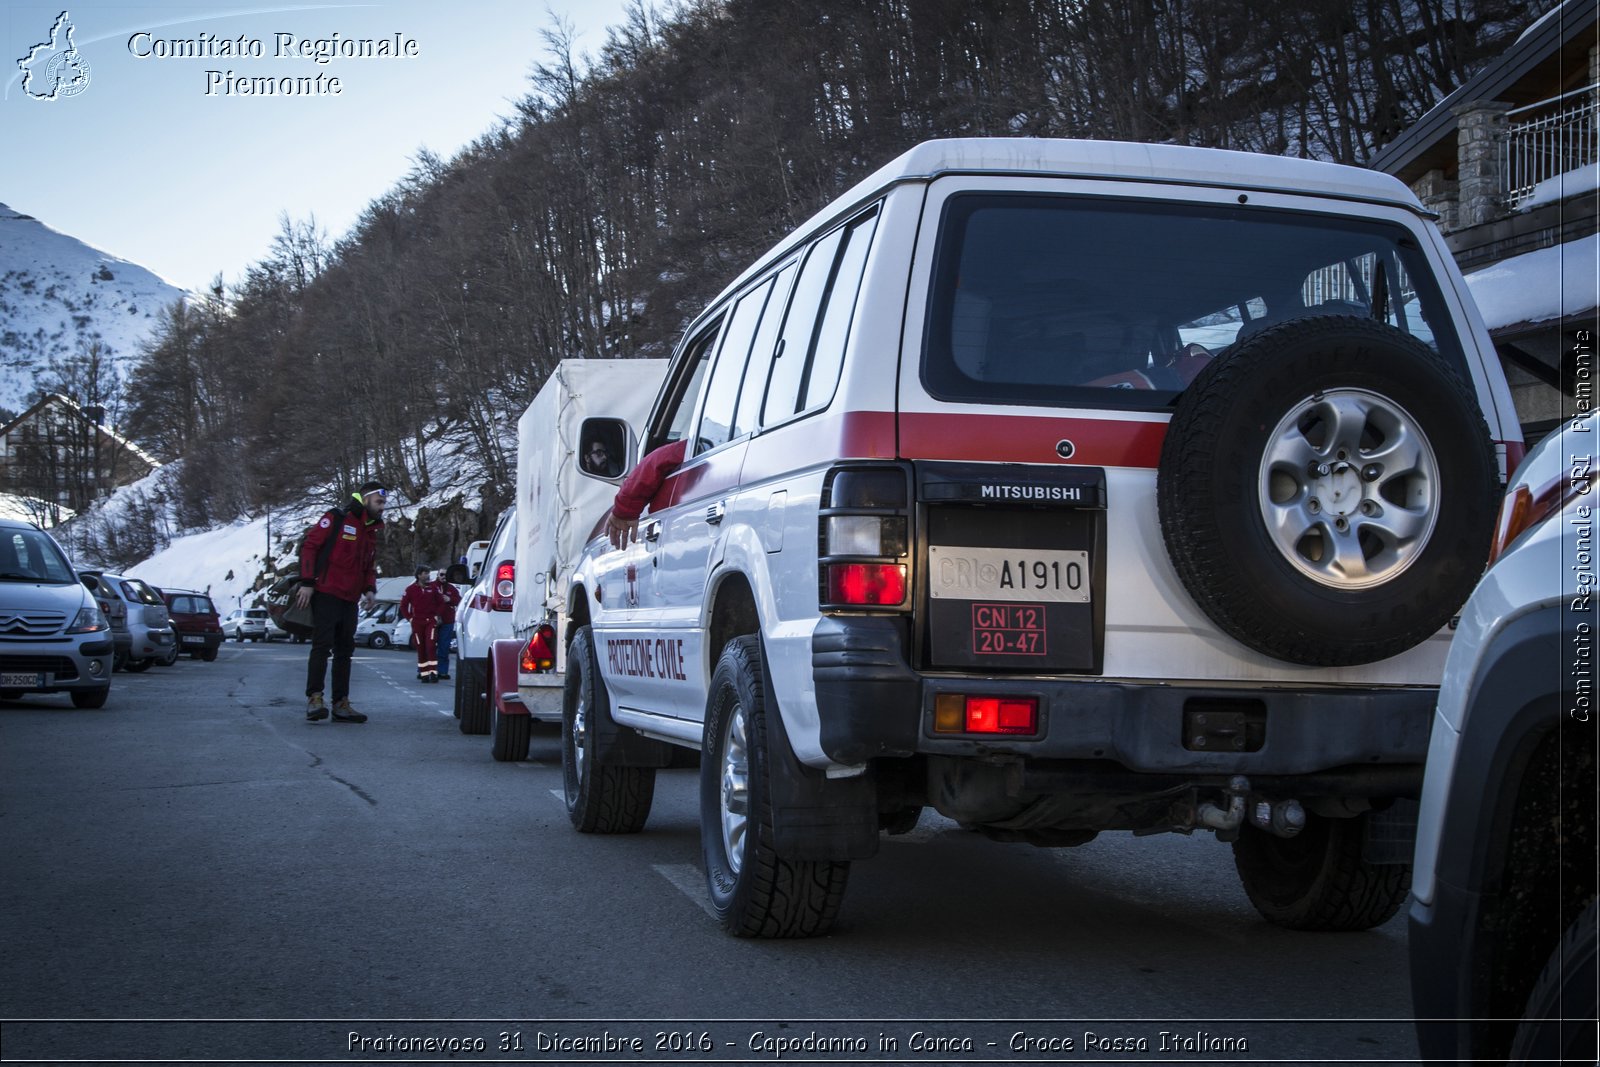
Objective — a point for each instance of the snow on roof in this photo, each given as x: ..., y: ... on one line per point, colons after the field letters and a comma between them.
x: 1550, y: 283
x: 1116, y: 160
x: 1572, y: 183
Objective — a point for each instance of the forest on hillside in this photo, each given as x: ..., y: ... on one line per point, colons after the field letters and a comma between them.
x: 632, y: 184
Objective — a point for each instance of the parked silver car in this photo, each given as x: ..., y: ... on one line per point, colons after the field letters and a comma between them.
x: 116, y: 611
x: 152, y: 640
x: 53, y: 636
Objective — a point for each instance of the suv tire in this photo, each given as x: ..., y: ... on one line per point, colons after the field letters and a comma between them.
x: 755, y: 892
x: 1288, y: 531
x: 511, y: 735
x: 472, y: 697
x: 601, y: 799
x: 135, y: 666
x: 209, y: 655
x: 1318, y: 879
x: 1559, y: 1023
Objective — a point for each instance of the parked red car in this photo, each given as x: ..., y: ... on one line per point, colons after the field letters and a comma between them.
x: 195, y: 622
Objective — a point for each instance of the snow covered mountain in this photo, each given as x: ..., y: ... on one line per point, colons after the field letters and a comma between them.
x: 57, y: 295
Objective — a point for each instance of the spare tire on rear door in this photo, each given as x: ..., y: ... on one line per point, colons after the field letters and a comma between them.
x: 1327, y: 491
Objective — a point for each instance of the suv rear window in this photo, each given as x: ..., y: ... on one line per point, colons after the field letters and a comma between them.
x: 1094, y: 302
x: 136, y: 592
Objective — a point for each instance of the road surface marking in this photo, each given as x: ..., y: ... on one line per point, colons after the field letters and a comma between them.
x: 689, y: 881
x: 559, y: 795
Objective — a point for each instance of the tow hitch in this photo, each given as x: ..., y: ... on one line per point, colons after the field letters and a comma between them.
x: 1281, y: 818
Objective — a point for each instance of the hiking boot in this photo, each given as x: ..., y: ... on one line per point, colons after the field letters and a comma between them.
x: 343, y: 712
x: 316, y: 710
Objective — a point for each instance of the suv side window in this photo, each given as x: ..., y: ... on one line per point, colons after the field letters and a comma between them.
x: 722, y: 391
x: 673, y: 421
x: 827, y: 355
x: 799, y: 327
x: 805, y: 369
x: 761, y: 353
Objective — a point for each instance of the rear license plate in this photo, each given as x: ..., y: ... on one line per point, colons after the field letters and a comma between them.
x: 1012, y: 589
x: 21, y: 681
x: 194, y: 640
x: 1028, y: 575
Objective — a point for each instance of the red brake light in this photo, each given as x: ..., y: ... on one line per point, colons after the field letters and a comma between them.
x: 867, y: 584
x: 1002, y: 715
x: 505, y: 586
x: 958, y: 714
x: 540, y: 653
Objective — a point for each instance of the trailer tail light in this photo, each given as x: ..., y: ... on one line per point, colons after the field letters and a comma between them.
x: 863, y: 540
x: 956, y: 713
x: 505, y: 586
x: 539, y: 655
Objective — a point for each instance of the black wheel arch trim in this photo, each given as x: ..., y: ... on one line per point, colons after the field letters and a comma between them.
x: 1515, y: 700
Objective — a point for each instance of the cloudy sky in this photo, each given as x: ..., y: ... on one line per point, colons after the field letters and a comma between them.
x: 156, y: 162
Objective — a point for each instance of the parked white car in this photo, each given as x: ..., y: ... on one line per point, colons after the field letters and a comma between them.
x: 1503, y: 936
x: 381, y: 626
x: 484, y: 617
x: 246, y: 624
x: 1063, y: 487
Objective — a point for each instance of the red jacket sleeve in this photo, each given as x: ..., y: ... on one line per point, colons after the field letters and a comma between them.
x: 642, y: 484
x: 315, y: 537
x: 369, y: 576
x: 408, y: 601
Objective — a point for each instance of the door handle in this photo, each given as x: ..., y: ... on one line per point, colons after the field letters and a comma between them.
x: 652, y: 531
x: 716, y: 512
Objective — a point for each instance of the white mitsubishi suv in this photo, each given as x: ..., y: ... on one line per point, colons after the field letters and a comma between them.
x: 1061, y: 487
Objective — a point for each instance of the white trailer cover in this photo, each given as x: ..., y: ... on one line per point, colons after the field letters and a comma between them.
x: 557, y: 506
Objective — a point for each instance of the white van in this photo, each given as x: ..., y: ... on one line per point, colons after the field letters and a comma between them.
x: 1061, y: 487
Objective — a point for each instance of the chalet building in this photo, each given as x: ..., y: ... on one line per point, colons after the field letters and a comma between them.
x: 60, y: 454
x: 1510, y: 161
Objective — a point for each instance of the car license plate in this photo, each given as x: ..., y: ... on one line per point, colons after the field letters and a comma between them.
x: 1008, y: 574
x: 195, y: 639
x: 21, y: 681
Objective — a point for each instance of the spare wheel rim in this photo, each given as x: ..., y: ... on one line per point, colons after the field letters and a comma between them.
x: 1349, y: 488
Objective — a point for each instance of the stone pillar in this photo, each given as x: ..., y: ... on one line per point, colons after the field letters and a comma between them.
x: 1480, y: 129
x: 1439, y: 193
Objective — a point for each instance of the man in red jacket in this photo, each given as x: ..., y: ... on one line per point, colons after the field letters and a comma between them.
x: 338, y: 569
x: 421, y: 604
x: 639, y: 488
x: 449, y: 600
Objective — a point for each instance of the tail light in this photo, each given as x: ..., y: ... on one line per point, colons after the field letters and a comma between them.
x: 540, y: 654
x: 1524, y: 508
x: 863, y: 539
x: 505, y: 586
x: 955, y: 713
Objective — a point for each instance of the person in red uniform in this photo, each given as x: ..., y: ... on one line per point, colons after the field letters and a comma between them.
x: 449, y: 598
x: 338, y: 571
x: 639, y: 488
x: 420, y: 604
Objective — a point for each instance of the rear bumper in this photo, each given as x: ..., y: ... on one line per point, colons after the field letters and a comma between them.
x: 872, y: 704
x: 151, y: 643
x: 198, y: 642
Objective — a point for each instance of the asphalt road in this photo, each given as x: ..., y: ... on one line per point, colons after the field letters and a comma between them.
x: 197, y: 851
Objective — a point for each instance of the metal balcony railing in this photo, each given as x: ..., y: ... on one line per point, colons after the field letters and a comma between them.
x: 1549, y: 138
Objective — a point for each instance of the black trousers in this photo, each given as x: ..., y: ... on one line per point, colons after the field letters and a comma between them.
x: 333, y: 630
